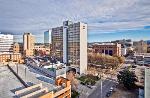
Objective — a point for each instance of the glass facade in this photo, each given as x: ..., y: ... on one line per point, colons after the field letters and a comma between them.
x: 74, y: 44
x: 57, y: 42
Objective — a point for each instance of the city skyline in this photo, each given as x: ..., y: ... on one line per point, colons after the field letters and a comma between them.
x: 74, y: 48
x: 105, y: 37
x: 103, y: 17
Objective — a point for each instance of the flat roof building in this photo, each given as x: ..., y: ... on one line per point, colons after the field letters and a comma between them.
x: 6, y: 57
x: 69, y: 44
x: 53, y: 70
x: 42, y: 49
x: 39, y: 86
x: 6, y: 43
x: 113, y: 49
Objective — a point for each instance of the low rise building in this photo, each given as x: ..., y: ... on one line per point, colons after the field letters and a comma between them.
x: 113, y: 49
x: 31, y: 83
x: 123, y: 51
x: 18, y: 48
x: 6, y: 57
x: 126, y: 45
x: 53, y: 70
x: 142, y: 58
x: 140, y: 46
x: 42, y: 49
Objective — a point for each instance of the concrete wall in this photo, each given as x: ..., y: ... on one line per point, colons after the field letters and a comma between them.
x: 147, y: 83
x: 65, y: 44
x: 83, y: 48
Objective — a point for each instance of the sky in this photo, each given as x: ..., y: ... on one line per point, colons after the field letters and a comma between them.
x: 107, y: 19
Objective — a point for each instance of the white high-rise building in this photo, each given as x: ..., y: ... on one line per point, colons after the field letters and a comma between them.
x: 69, y: 44
x: 6, y: 43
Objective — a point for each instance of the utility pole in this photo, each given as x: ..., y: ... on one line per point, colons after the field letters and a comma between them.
x: 101, y: 84
x: 25, y: 72
x: 17, y: 68
x: 143, y: 60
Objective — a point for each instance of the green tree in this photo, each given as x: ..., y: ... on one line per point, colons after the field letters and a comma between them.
x: 130, y: 53
x: 127, y: 78
x: 36, y: 52
x: 74, y: 94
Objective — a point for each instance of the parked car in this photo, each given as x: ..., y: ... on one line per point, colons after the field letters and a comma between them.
x: 108, y: 94
x: 111, y: 89
x: 89, y: 86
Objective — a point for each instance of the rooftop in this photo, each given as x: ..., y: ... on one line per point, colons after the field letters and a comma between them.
x: 104, y: 44
x: 30, y: 76
x: 142, y: 54
x: 9, y: 53
x: 9, y: 83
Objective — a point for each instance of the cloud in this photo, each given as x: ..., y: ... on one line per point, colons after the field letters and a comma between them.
x: 18, y: 16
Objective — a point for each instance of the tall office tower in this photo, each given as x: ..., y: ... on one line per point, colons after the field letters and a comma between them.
x: 28, y: 44
x: 57, y: 42
x: 6, y: 43
x: 69, y: 44
x: 47, y: 37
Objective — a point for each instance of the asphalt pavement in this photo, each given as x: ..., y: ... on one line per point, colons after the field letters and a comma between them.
x: 107, y: 84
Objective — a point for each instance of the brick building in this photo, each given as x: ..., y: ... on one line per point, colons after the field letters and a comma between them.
x: 112, y: 49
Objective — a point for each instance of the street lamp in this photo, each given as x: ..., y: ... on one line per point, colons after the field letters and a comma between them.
x: 17, y: 67
x: 101, y: 84
x: 143, y: 60
x: 25, y: 72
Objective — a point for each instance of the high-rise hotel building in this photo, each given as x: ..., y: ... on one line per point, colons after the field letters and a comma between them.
x: 6, y: 43
x: 28, y: 44
x: 69, y: 44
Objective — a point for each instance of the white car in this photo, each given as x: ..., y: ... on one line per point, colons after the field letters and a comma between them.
x: 111, y: 89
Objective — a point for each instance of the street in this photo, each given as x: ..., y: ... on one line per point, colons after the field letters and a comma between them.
x: 107, y: 84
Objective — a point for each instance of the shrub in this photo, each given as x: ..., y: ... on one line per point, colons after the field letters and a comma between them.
x: 74, y: 94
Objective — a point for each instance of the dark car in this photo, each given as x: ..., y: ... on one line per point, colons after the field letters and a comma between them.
x: 108, y: 94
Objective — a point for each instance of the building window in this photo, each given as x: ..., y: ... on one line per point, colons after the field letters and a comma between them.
x: 102, y: 50
x: 106, y: 51
x: 110, y: 52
